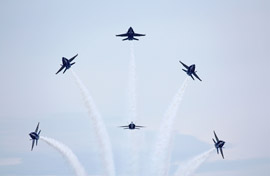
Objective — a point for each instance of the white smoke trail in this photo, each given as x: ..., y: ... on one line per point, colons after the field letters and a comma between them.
x: 99, y: 128
x: 132, y: 86
x: 132, y: 109
x: 162, y: 151
x: 67, y: 154
x: 191, y: 166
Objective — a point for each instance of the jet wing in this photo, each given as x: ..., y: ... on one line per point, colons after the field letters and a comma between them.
x: 71, y: 59
x: 33, y: 143
x: 122, y: 35
x: 124, y: 126
x: 184, y: 65
x: 140, y: 126
x: 138, y: 35
x: 221, y: 151
x: 216, y: 136
x: 196, y: 76
x: 62, y: 67
x: 37, y: 128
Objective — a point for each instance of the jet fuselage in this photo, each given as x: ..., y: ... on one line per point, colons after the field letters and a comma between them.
x: 219, y: 144
x: 66, y: 63
x: 191, y: 70
x: 34, y: 135
x: 130, y: 34
x: 132, y: 126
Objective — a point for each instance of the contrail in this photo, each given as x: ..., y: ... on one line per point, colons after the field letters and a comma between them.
x: 191, y: 166
x: 162, y: 151
x: 99, y: 128
x: 67, y: 154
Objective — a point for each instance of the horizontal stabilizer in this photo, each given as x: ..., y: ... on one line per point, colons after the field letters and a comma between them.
x: 191, y: 77
x: 65, y: 70
x: 125, y: 39
x: 135, y: 38
x: 184, y: 70
x: 214, y: 140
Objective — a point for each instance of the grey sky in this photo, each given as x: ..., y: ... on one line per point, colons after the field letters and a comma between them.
x: 227, y: 40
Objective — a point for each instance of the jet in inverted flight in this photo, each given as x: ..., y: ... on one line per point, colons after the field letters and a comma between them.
x: 130, y: 35
x: 66, y: 63
x: 219, y: 145
x: 131, y: 126
x: 190, y: 70
x: 35, y: 136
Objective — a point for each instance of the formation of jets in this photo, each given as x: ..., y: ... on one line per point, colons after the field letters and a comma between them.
x: 130, y: 35
x: 132, y: 126
x: 35, y: 136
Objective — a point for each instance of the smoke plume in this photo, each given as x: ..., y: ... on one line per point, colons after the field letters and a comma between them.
x: 162, y: 151
x: 191, y: 166
x: 99, y: 128
x: 67, y: 154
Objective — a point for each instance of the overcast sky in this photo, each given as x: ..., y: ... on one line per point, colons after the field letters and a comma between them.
x: 227, y: 40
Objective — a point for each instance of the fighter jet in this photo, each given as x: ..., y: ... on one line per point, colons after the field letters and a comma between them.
x: 219, y: 145
x: 35, y: 136
x: 131, y: 126
x: 190, y: 70
x: 130, y: 35
x: 66, y: 63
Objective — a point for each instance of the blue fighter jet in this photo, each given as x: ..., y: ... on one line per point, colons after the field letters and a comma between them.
x: 132, y: 126
x: 219, y: 145
x: 190, y: 70
x: 130, y: 35
x: 66, y: 63
x: 35, y: 136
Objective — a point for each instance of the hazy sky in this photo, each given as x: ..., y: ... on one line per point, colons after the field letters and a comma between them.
x: 227, y: 40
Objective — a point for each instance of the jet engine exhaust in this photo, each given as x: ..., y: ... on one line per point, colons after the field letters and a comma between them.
x: 191, y: 166
x: 162, y: 150
x: 99, y: 128
x: 67, y: 154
